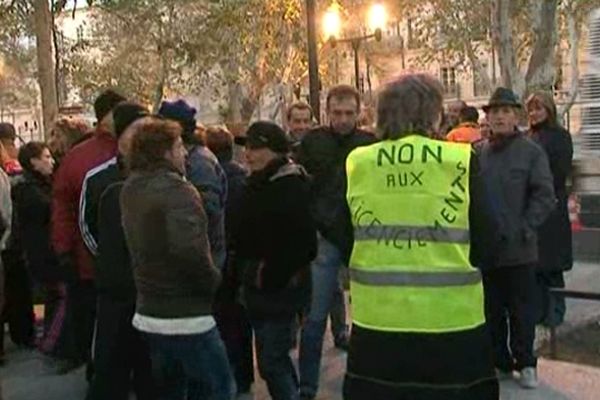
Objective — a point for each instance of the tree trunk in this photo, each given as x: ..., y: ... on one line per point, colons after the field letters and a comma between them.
x: 510, y: 76
x: 574, y: 61
x: 478, y: 68
x: 45, y: 62
x: 235, y: 102
x: 159, y: 90
x: 541, y: 68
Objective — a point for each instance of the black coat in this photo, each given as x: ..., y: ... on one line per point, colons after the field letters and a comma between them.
x: 276, y: 240
x: 95, y: 183
x: 323, y: 153
x: 236, y: 181
x: 114, y: 276
x: 32, y: 197
x: 554, y: 236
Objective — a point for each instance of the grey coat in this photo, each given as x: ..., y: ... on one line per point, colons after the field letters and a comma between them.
x: 520, y: 193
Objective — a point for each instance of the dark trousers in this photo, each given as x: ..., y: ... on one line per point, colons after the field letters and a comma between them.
x: 18, y: 306
x: 121, y: 356
x: 337, y: 315
x: 192, y: 367
x: 81, y: 304
x: 58, y: 339
x: 551, y: 308
x: 510, y: 313
x: 236, y: 333
x: 273, y: 342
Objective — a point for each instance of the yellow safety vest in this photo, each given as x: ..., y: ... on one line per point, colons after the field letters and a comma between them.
x: 410, y: 269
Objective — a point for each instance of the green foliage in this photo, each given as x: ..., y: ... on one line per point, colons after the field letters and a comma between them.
x: 17, y: 56
x: 151, y: 48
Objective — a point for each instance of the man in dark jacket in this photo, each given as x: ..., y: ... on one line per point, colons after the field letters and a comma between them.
x: 519, y: 188
x: 99, y: 178
x: 118, y: 348
x: 276, y: 240
x: 166, y: 232
x: 323, y: 153
x: 205, y: 173
x: 67, y: 240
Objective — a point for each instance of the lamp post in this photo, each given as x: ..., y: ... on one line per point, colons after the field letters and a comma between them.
x: 332, y: 27
x: 313, y: 61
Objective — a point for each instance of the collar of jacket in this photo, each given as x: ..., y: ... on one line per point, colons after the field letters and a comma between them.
x: 38, y: 179
x: 102, y: 133
x: 339, y: 137
x: 276, y: 169
x: 161, y: 167
x: 500, y: 142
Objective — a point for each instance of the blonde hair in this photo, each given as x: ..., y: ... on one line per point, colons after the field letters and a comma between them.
x: 546, y: 100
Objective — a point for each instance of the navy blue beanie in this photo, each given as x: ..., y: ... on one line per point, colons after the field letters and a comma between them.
x: 181, y: 112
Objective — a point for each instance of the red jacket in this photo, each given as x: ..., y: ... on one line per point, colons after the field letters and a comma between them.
x: 68, y: 180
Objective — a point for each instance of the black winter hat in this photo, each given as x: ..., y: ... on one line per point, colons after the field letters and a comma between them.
x: 502, y: 97
x: 106, y: 102
x: 181, y: 112
x: 125, y: 113
x: 263, y: 134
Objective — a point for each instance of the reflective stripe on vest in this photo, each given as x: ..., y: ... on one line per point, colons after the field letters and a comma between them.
x: 382, y: 232
x: 415, y: 279
x: 410, y: 271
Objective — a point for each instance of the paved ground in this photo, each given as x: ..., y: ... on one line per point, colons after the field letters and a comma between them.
x: 26, y: 378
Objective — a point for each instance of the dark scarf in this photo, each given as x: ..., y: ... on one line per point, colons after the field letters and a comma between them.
x: 499, y: 142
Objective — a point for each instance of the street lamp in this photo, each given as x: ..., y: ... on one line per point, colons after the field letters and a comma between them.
x: 313, y: 59
x: 377, y: 19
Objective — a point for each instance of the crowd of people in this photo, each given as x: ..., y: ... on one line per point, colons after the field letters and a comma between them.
x: 166, y: 265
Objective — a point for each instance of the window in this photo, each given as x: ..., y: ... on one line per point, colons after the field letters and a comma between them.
x: 479, y: 88
x: 448, y: 78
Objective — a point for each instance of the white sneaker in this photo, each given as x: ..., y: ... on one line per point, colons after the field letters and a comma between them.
x: 528, y: 379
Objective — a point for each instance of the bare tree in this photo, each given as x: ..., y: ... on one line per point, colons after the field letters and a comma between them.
x: 43, y: 34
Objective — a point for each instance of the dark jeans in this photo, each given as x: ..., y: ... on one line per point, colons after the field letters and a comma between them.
x: 18, y: 305
x: 273, y: 341
x: 236, y: 333
x: 551, y: 308
x: 325, y: 283
x: 121, y: 356
x: 81, y: 306
x: 510, y: 310
x: 337, y: 316
x: 190, y: 366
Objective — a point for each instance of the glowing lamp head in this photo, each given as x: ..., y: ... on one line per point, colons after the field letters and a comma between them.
x: 377, y: 18
x: 332, y: 22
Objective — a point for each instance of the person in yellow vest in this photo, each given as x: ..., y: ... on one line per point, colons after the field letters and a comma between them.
x: 419, y: 328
